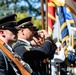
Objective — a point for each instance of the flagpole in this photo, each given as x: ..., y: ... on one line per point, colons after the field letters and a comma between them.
x: 72, y: 36
x: 42, y: 13
x: 58, y: 40
x: 46, y: 15
x: 48, y: 64
x: 72, y: 39
x: 43, y: 27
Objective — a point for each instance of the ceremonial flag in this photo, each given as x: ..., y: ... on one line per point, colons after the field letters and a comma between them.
x: 51, y: 16
x: 70, y: 3
x: 72, y: 6
x: 63, y: 25
x: 68, y: 15
x: 59, y: 2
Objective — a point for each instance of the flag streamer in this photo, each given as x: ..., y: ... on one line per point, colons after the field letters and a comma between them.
x: 51, y: 16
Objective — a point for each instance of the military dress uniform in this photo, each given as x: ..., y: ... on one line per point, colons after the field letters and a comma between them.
x: 5, y: 65
x: 7, y: 23
x: 30, y: 54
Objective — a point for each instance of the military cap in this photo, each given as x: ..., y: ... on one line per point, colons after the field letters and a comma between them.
x: 27, y: 19
x: 26, y: 23
x: 8, y: 22
x: 35, y: 28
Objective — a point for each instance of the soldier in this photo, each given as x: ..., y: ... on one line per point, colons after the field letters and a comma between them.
x: 26, y: 51
x: 8, y: 34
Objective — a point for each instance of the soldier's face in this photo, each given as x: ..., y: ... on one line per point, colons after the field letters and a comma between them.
x: 10, y: 35
x: 28, y: 33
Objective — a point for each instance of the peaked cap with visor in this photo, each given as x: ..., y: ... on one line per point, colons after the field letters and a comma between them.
x: 26, y: 23
x: 8, y: 22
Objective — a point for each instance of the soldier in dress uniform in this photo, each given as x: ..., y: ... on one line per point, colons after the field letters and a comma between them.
x: 26, y: 51
x: 8, y: 34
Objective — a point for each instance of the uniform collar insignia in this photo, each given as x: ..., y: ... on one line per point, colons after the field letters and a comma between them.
x: 27, y: 48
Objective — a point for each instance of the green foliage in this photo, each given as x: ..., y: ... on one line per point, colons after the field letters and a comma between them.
x: 27, y: 8
x: 21, y: 15
x: 4, y: 10
x: 31, y: 7
x: 55, y: 39
x: 37, y: 23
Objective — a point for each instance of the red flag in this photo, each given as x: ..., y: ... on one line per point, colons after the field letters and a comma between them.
x: 51, y: 14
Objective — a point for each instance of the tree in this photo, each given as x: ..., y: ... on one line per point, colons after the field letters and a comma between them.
x: 31, y: 7
x: 24, y: 7
x: 21, y: 15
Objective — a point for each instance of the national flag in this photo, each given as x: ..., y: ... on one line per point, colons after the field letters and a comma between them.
x: 51, y: 16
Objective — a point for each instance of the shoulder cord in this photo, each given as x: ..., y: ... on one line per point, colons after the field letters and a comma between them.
x: 26, y: 65
x: 13, y: 66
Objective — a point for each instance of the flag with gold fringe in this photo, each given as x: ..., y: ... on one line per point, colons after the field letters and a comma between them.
x: 71, y: 4
x: 63, y: 25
